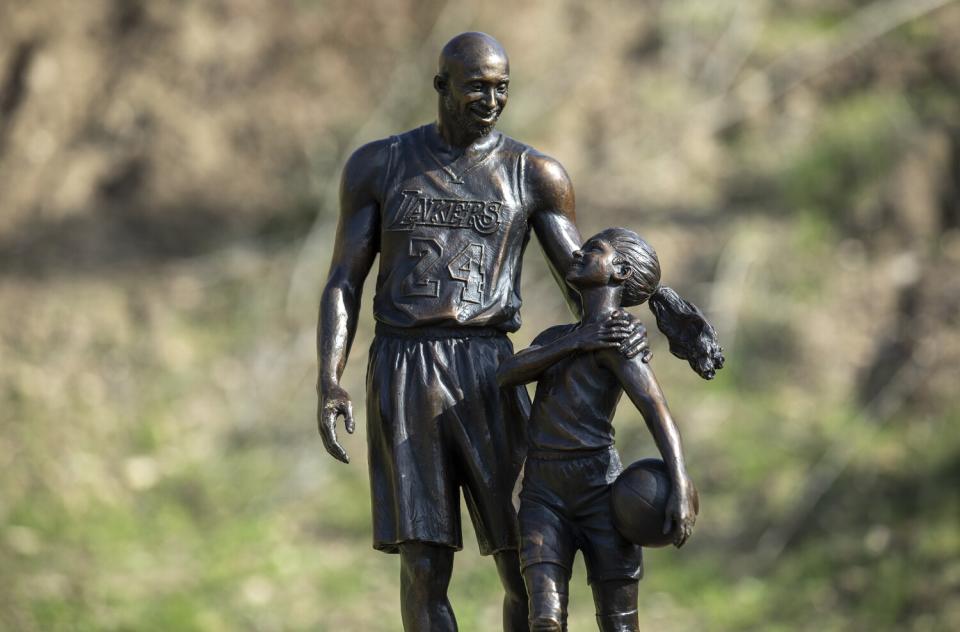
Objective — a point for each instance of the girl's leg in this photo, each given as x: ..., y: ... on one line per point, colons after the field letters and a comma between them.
x: 616, y: 602
x: 547, y: 588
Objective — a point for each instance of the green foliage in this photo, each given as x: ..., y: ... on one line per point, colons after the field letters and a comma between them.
x: 161, y: 467
x: 854, y: 146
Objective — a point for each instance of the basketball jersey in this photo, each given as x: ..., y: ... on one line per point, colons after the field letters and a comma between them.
x: 452, y: 235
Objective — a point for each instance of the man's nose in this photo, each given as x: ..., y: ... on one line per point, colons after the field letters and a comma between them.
x: 490, y: 98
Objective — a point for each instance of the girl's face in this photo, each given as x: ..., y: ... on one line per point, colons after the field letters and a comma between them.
x: 593, y: 264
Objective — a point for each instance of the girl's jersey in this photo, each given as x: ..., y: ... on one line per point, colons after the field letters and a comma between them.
x: 575, y: 401
x: 452, y: 234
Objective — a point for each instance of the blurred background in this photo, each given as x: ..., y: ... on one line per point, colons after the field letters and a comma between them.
x: 168, y: 175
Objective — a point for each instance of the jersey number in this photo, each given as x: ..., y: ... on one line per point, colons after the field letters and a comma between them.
x: 466, y: 266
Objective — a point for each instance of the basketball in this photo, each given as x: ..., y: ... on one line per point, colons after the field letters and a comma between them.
x: 639, y: 498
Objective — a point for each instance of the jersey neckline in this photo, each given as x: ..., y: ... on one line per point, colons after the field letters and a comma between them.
x: 462, y: 165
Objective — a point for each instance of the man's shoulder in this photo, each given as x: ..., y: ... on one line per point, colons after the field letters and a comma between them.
x: 369, y: 160
x: 542, y: 172
x: 534, y: 156
x: 370, y: 155
x: 511, y: 144
x: 381, y: 146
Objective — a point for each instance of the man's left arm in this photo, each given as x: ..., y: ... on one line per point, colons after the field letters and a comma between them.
x: 554, y: 222
x: 554, y: 218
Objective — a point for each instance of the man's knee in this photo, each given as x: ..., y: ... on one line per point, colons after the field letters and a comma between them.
x: 426, y: 566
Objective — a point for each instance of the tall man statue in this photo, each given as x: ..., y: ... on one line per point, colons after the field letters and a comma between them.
x: 449, y: 208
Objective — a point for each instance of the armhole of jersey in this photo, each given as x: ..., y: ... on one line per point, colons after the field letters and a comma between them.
x: 521, y: 178
x: 388, y: 170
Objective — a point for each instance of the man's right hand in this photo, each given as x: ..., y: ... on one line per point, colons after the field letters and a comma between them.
x: 334, y: 402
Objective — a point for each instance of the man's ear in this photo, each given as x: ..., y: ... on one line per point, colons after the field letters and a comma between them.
x: 440, y: 84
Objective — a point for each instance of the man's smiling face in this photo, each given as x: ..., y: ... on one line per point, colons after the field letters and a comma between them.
x: 476, y: 92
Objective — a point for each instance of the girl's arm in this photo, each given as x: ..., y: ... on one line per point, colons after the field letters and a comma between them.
x: 641, y: 386
x: 528, y: 364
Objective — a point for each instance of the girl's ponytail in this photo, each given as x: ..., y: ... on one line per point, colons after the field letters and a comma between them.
x: 691, y: 337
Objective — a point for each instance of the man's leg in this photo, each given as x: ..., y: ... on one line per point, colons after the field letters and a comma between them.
x: 425, y: 571
x: 515, y: 596
x: 616, y: 602
x: 548, y: 587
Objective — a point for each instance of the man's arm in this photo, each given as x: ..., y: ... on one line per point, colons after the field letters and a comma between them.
x: 642, y: 387
x: 554, y: 222
x: 554, y: 218
x: 356, y: 246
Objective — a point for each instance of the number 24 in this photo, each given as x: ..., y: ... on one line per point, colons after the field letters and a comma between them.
x: 466, y: 266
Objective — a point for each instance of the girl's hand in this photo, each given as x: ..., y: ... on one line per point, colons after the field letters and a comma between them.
x: 682, y: 508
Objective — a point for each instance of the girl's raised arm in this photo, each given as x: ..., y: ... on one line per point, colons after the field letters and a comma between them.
x: 644, y: 391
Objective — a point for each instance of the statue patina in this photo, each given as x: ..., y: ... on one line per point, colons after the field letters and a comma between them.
x: 572, y: 464
x: 449, y: 208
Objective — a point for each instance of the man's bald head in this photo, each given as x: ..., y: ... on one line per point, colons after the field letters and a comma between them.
x: 472, y: 81
x: 471, y: 49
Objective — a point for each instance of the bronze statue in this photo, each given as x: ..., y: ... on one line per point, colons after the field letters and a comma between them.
x: 565, y: 503
x: 448, y: 207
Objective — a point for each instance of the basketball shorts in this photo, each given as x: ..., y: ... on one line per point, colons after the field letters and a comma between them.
x: 438, y: 423
x: 565, y: 506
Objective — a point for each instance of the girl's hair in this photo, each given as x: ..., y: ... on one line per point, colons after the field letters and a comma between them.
x: 691, y: 337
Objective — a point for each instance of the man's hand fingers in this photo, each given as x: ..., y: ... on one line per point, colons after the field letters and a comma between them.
x: 614, y: 334
x: 348, y: 418
x: 619, y: 328
x: 336, y: 451
x: 633, y: 346
x: 328, y: 432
